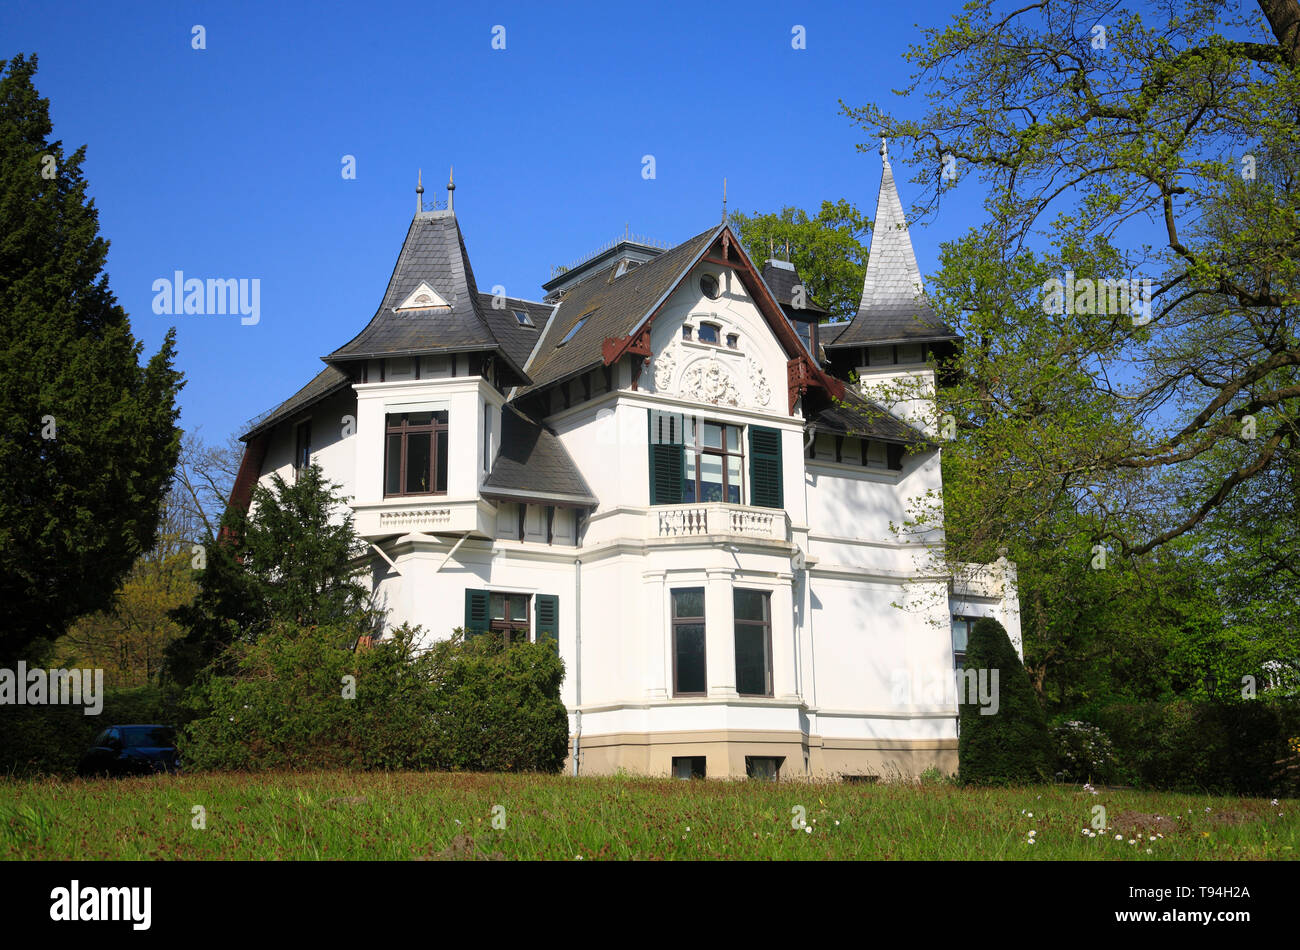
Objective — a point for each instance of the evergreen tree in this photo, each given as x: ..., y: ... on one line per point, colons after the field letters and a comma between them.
x: 1011, y: 745
x: 294, y: 558
x: 88, y: 438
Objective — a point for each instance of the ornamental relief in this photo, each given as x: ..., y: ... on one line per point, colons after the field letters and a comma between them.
x: 708, y: 379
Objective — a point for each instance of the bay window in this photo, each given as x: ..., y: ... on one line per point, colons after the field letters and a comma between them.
x: 415, y: 453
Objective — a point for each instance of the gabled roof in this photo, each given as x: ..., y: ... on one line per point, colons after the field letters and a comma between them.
x: 894, y: 307
x: 517, y: 340
x: 613, y: 309
x: 326, y: 382
x: 533, y: 465
x: 433, y: 253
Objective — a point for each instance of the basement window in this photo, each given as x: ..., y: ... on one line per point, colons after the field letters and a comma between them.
x: 766, y: 768
x: 689, y: 766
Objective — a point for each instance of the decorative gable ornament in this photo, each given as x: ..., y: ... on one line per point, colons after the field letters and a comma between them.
x: 423, y: 297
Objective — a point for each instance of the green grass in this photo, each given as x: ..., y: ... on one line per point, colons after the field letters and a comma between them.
x: 411, y: 815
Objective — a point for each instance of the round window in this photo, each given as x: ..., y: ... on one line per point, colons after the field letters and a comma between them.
x: 709, y: 286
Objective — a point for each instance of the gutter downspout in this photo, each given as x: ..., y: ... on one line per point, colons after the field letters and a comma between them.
x: 577, y: 662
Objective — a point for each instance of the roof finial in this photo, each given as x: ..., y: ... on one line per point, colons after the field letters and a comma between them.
x: 724, y: 201
x: 419, y: 190
x: 884, y: 149
x: 451, y: 187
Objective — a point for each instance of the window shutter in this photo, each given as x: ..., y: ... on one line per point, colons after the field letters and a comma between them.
x: 765, y: 488
x: 666, y: 465
x: 895, y: 456
x: 476, y: 612
x: 548, y: 620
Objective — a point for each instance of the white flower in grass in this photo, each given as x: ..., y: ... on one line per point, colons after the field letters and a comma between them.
x: 688, y: 827
x: 808, y: 828
x: 837, y: 822
x: 1119, y: 837
x: 1273, y: 802
x: 1132, y: 841
x: 1148, y: 850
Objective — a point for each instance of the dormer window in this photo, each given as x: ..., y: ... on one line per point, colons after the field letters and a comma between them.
x: 573, y: 330
x: 709, y: 332
x: 423, y: 297
x: 524, y: 320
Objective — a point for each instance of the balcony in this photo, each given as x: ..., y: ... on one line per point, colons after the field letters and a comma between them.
x: 718, y: 520
x: 429, y: 515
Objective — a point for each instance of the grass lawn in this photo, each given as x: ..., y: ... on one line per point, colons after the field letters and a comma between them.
x: 413, y: 815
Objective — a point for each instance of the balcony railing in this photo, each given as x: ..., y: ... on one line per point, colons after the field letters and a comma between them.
x: 684, y: 521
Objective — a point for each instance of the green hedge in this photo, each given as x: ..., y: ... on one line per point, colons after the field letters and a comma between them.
x: 1234, y: 747
x: 301, y: 699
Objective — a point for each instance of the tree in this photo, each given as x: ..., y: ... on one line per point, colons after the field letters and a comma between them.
x: 88, y: 438
x: 1011, y: 745
x: 827, y: 250
x: 294, y: 558
x: 1155, y: 145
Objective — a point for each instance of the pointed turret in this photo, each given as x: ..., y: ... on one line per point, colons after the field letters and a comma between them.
x: 894, y: 308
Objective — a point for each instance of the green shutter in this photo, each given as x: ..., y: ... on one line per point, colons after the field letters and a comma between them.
x: 476, y: 612
x: 666, y: 465
x: 765, y: 488
x: 548, y: 620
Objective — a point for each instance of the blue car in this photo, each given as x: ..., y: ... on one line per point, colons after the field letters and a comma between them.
x: 131, y: 750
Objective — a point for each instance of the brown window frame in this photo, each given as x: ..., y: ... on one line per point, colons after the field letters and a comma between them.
x: 676, y: 622
x: 507, y: 627
x: 766, y: 626
x: 404, y: 430
x: 700, y: 450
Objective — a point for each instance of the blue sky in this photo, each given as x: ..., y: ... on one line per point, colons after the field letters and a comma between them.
x: 226, y: 162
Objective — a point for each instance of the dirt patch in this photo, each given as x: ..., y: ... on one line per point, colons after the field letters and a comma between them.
x: 462, y: 848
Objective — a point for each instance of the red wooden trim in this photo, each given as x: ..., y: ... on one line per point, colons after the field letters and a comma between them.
x: 250, y: 469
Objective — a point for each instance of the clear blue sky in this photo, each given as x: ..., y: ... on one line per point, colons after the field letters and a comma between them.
x: 226, y: 162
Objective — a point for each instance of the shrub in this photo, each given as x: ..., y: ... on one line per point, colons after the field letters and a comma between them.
x: 1010, y: 746
x: 498, y: 708
x: 299, y: 698
x: 1083, y: 753
x: 1184, y: 745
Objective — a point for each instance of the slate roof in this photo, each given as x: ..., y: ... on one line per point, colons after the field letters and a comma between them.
x: 534, y: 464
x: 857, y: 416
x: 894, y: 308
x: 433, y: 253
x: 327, y: 381
x: 518, y: 341
x: 781, y: 281
x: 613, y: 309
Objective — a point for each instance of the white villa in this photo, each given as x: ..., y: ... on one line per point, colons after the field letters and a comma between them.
x: 661, y: 467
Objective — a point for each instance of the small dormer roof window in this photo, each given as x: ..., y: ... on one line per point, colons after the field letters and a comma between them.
x: 573, y: 330
x: 524, y: 319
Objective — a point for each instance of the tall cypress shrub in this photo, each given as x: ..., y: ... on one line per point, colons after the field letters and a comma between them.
x: 1010, y: 746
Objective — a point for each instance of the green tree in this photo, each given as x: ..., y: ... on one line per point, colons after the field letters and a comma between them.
x: 1009, y: 745
x: 88, y: 438
x: 826, y: 250
x: 1161, y: 142
x: 294, y: 558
